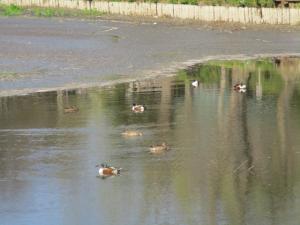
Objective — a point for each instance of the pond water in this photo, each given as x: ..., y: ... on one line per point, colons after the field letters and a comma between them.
x: 234, y: 157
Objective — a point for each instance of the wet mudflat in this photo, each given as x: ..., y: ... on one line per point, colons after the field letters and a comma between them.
x: 54, y: 53
x: 234, y: 157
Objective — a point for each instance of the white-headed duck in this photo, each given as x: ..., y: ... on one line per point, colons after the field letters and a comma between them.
x: 240, y: 87
x: 138, y: 108
x: 195, y: 83
x: 106, y: 171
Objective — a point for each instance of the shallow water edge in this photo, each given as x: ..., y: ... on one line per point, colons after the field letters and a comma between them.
x: 170, y: 71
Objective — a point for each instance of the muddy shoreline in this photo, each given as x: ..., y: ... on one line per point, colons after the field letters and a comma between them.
x: 48, y: 54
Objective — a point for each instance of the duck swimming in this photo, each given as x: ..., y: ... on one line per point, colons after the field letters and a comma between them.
x: 195, y: 83
x: 240, y: 87
x: 106, y: 171
x: 138, y: 108
x: 157, y: 149
x: 132, y: 133
x: 71, y: 109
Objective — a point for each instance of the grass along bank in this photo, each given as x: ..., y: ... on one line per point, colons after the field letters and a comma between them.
x: 14, y: 10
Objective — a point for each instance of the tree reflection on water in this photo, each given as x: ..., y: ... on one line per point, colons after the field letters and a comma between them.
x: 234, y: 157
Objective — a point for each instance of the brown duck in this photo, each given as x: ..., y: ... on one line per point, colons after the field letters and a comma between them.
x: 132, y: 133
x: 71, y: 109
x: 157, y: 149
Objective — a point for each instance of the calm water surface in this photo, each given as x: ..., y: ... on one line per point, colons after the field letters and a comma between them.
x: 234, y: 158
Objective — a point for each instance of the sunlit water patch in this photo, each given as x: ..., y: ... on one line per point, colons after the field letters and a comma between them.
x: 234, y: 157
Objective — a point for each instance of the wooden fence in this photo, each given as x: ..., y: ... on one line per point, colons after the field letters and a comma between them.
x: 243, y: 15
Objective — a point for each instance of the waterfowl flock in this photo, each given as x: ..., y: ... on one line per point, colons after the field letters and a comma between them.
x: 107, y: 171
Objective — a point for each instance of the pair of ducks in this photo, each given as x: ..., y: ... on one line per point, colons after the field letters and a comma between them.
x: 155, y: 149
x: 237, y: 87
x: 135, y: 108
x: 108, y: 171
x: 240, y: 87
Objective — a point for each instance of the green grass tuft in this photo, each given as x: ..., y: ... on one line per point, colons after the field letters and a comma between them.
x: 13, y: 10
x: 46, y: 12
x: 10, y: 10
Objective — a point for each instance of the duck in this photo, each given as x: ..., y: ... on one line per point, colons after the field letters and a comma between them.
x: 132, y: 133
x: 157, y: 149
x: 242, y: 90
x: 71, y: 109
x: 240, y: 87
x: 138, y: 108
x: 195, y: 83
x: 106, y: 170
